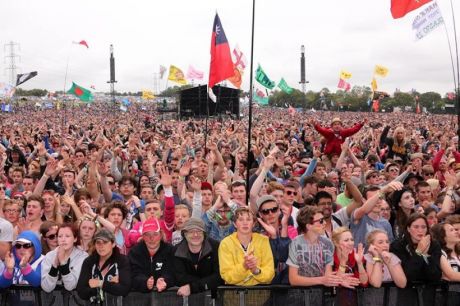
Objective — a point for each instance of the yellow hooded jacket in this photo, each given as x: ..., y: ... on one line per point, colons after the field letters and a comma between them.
x: 231, y: 259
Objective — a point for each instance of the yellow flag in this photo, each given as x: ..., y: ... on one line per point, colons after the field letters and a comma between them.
x: 380, y: 71
x: 374, y: 84
x: 345, y: 75
x: 147, y: 95
x: 58, y: 105
x: 176, y: 75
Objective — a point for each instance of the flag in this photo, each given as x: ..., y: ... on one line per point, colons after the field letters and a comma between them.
x: 82, y: 93
x: 347, y: 86
x: 429, y: 19
x: 376, y: 106
x: 193, y: 74
x: 260, y: 96
x: 263, y: 79
x: 417, y: 105
x: 399, y: 8
x: 146, y: 94
x: 176, y: 75
x: 344, y: 85
x: 221, y: 67
x: 126, y: 102
x: 162, y: 71
x: 345, y: 75
x: 7, y: 108
x: 212, y: 96
x: 82, y: 42
x: 450, y: 95
x: 7, y: 90
x: 380, y: 71
x: 24, y: 77
x: 237, y: 78
x: 284, y: 86
x: 238, y: 58
x: 291, y: 111
x: 374, y: 84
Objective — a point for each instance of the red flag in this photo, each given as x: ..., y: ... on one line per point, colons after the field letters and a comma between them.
x: 450, y: 96
x: 399, y: 8
x: 81, y: 42
x: 221, y: 67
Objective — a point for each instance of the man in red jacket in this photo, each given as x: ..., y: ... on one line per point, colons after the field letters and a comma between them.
x: 335, y: 135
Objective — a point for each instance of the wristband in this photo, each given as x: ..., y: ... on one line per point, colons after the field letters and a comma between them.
x: 377, y: 259
x: 257, y: 271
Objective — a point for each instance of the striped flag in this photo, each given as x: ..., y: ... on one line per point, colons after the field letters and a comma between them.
x: 194, y: 74
x: 162, y: 71
x: 24, y: 77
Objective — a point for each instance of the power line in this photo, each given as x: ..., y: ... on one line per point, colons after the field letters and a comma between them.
x: 11, y: 68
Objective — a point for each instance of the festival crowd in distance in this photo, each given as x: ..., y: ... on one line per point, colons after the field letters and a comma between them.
x: 103, y: 202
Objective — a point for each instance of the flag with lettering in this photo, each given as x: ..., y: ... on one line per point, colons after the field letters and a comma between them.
x: 147, y: 94
x: 263, y: 79
x: 284, y: 86
x: 399, y: 8
x: 429, y: 19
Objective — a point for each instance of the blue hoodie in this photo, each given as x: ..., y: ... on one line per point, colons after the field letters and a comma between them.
x: 31, y: 274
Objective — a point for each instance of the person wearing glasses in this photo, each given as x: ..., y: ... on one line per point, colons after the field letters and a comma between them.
x: 311, y: 254
x: 196, y: 261
x: 274, y: 224
x: 23, y: 263
x: 48, y: 231
x: 63, y: 264
x: 420, y: 259
x: 11, y: 211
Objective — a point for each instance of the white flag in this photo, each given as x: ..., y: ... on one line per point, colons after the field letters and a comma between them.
x: 428, y: 20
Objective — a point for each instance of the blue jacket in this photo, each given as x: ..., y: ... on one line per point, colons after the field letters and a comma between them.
x: 31, y: 274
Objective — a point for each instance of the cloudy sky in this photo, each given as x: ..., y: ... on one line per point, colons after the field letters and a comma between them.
x: 353, y: 35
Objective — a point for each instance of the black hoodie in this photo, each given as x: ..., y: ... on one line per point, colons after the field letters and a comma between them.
x: 160, y: 265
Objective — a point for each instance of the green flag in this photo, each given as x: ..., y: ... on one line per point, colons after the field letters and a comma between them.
x: 263, y: 79
x: 83, y: 93
x: 284, y: 86
x: 260, y: 97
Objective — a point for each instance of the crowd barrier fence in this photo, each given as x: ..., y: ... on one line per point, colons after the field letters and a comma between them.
x: 445, y: 294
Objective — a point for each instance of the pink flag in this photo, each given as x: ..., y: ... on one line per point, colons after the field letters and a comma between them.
x: 193, y: 74
x: 238, y: 58
x: 450, y: 96
x: 344, y: 85
x: 291, y: 110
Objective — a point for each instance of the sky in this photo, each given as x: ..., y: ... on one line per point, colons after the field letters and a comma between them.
x: 354, y: 35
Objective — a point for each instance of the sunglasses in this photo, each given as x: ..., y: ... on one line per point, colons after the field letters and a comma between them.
x: 51, y: 237
x: 269, y: 210
x: 428, y: 173
x: 288, y: 192
x: 320, y: 221
x: 394, y: 170
x: 2, y: 187
x: 25, y: 246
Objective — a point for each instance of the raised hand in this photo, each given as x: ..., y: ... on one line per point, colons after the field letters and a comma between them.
x: 195, y: 183
x: 270, y: 229
x: 165, y: 177
x: 359, y: 253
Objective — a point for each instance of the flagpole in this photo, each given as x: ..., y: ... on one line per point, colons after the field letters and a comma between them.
x: 65, y: 82
x: 250, y: 100
x: 457, y: 85
x: 206, y: 122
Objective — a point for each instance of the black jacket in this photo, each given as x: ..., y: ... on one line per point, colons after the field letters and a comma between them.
x: 161, y: 265
x: 206, y: 275
x: 415, y: 267
x: 118, y: 266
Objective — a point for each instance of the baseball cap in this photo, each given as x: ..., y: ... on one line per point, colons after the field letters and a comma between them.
x: 22, y: 240
x: 370, y: 172
x: 264, y: 199
x: 151, y: 225
x: 194, y: 223
x: 104, y: 234
x: 6, y: 231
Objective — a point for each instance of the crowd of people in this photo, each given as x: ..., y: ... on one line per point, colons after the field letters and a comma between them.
x: 100, y: 201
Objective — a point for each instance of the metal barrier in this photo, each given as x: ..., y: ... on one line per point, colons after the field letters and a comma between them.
x: 274, y: 295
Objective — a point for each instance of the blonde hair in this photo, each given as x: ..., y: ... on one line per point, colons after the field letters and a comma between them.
x: 371, y: 236
x: 337, y: 233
